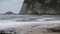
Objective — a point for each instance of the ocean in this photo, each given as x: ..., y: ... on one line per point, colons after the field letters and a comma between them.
x: 29, y: 17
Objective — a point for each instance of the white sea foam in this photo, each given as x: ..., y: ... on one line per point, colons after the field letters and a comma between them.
x: 45, y: 24
x: 15, y: 21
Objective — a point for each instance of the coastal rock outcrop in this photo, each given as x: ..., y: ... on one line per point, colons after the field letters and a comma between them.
x: 40, y: 7
x: 9, y: 13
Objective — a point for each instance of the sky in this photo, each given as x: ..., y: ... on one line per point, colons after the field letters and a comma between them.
x: 10, y: 5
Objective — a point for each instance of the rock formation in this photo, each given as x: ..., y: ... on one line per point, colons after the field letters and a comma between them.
x: 40, y: 7
x: 9, y: 13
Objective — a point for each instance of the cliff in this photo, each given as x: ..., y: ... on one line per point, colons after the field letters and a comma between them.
x: 40, y: 7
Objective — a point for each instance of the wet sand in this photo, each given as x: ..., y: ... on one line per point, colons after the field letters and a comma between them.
x: 30, y: 30
x: 44, y: 33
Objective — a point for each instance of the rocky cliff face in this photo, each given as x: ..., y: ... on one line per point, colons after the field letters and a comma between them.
x: 40, y: 7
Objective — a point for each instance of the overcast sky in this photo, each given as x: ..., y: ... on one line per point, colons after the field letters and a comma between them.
x: 10, y: 5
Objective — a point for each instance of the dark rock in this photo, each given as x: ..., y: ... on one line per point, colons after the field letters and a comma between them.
x: 40, y: 7
x: 9, y: 13
x: 55, y: 30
